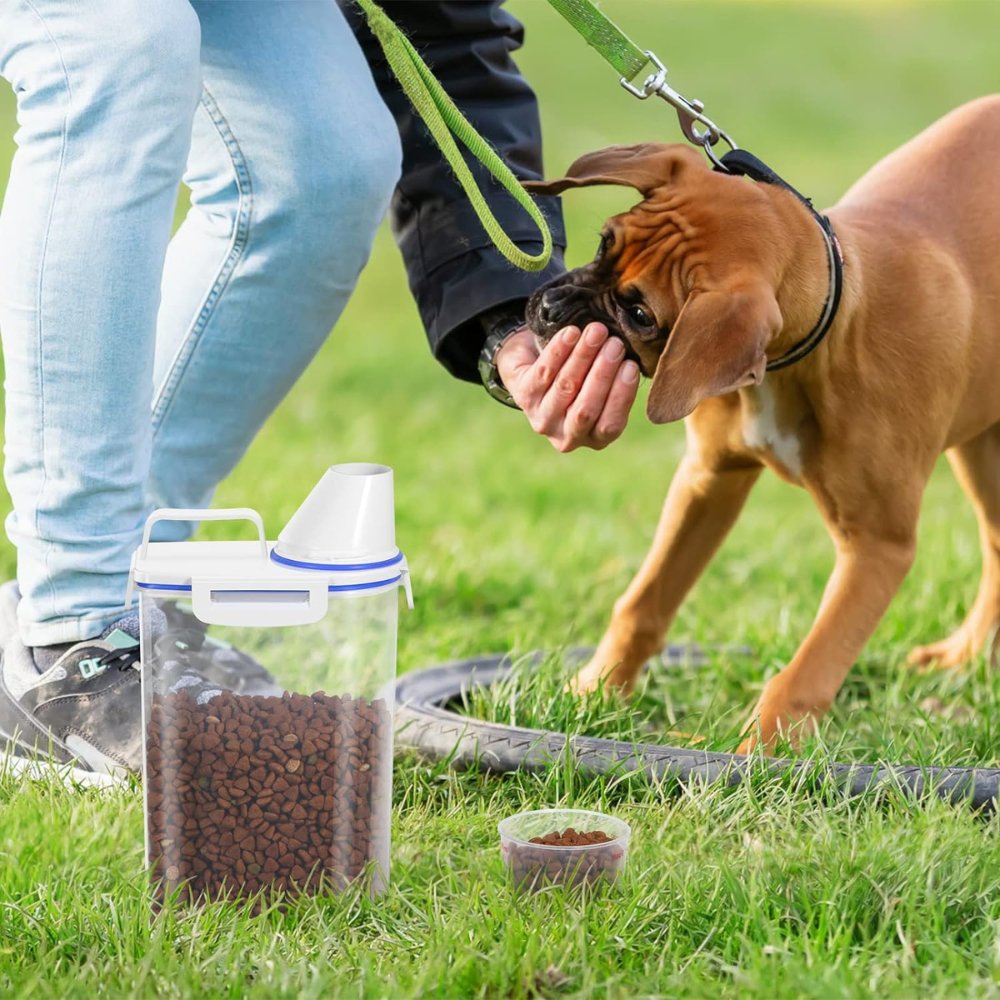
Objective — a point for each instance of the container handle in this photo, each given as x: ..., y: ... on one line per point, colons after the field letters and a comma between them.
x: 195, y: 514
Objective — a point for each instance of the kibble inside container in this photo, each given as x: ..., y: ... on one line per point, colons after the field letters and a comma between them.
x: 267, y: 700
x: 563, y: 846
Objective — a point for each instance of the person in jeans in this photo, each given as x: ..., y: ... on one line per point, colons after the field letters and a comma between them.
x: 139, y: 366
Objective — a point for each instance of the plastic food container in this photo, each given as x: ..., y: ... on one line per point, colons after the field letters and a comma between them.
x: 534, y: 865
x: 267, y: 673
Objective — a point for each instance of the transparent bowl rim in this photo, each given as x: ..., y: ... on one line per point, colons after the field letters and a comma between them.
x: 620, y: 830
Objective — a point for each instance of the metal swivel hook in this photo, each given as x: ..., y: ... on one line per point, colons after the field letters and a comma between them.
x: 689, y: 112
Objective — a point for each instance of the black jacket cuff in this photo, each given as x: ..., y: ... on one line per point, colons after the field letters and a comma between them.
x: 464, y: 288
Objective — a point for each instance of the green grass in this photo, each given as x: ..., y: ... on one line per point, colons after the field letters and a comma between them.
x: 764, y: 890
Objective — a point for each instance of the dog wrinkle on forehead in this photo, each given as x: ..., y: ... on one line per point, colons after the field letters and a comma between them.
x: 661, y: 245
x: 657, y: 260
x: 665, y: 232
x: 659, y: 242
x: 669, y: 211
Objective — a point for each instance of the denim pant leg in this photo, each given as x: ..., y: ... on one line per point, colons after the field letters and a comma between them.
x: 106, y: 92
x: 294, y: 157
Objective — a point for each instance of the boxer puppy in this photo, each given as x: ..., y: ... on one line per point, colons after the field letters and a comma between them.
x: 714, y: 282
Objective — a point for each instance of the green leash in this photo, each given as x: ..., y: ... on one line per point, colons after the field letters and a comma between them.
x: 601, y: 33
x: 446, y: 123
x: 443, y: 119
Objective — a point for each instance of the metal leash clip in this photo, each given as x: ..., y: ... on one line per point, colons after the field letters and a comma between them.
x: 688, y: 112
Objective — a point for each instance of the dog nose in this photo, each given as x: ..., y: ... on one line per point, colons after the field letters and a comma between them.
x: 551, y: 298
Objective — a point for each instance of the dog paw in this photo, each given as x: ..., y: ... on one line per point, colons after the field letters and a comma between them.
x: 778, y: 729
x: 596, y: 676
x: 781, y: 740
x: 956, y: 651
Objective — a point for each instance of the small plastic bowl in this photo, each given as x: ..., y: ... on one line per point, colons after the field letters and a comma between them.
x: 533, y: 866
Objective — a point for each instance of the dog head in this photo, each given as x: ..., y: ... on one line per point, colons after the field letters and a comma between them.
x: 686, y: 278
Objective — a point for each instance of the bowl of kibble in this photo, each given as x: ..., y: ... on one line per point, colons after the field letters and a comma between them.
x: 563, y: 847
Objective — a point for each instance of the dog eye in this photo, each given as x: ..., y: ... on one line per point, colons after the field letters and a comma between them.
x: 640, y: 317
x: 602, y: 247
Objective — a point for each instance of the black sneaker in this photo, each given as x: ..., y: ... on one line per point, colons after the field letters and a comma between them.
x: 82, y: 713
x: 218, y: 663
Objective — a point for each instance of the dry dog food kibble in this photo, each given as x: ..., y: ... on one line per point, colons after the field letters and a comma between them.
x: 570, y: 838
x: 534, y: 867
x: 283, y: 793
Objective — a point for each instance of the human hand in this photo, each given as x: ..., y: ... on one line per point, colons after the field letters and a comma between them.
x: 577, y: 391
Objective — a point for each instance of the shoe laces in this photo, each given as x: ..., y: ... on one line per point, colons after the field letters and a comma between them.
x: 123, y: 659
x: 184, y: 642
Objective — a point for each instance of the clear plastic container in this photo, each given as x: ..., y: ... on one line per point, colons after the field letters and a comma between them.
x: 535, y: 865
x: 267, y: 700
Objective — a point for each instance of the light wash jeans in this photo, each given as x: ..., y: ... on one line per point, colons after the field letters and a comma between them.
x: 139, y: 367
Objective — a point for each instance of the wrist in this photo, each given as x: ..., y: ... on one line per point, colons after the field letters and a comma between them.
x: 499, y: 326
x: 512, y: 343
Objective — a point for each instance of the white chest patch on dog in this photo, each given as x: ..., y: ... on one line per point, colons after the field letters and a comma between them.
x: 761, y: 431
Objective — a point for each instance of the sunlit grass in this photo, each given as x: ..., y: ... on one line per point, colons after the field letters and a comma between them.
x: 765, y: 890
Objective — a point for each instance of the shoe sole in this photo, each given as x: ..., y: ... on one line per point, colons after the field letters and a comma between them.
x: 41, y: 769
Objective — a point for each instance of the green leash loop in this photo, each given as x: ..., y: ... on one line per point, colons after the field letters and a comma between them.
x: 602, y: 34
x: 443, y: 120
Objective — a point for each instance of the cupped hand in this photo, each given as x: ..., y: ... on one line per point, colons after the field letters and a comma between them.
x: 577, y: 391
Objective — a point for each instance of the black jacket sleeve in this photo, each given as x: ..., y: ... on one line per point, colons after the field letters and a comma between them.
x: 455, y: 272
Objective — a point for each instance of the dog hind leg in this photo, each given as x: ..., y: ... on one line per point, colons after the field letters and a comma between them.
x: 870, y: 566
x: 976, y: 465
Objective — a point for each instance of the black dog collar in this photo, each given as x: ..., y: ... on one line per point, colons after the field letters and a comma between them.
x: 743, y: 164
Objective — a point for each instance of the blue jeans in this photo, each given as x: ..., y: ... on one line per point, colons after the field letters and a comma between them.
x: 140, y: 367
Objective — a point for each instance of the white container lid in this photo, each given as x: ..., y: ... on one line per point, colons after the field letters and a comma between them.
x: 249, y: 583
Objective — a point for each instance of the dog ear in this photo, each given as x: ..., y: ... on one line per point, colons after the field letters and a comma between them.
x: 644, y: 167
x: 718, y: 344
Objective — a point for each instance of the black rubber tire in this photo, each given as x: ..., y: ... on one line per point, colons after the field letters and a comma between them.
x: 426, y: 725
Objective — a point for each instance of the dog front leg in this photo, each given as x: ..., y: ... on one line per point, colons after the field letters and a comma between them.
x: 702, y: 504
x: 866, y: 576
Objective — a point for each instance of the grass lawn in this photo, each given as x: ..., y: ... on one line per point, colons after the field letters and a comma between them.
x: 764, y: 890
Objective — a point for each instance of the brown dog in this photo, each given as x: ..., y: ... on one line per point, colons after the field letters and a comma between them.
x: 709, y: 279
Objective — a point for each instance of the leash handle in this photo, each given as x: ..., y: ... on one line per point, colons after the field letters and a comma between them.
x: 446, y: 123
